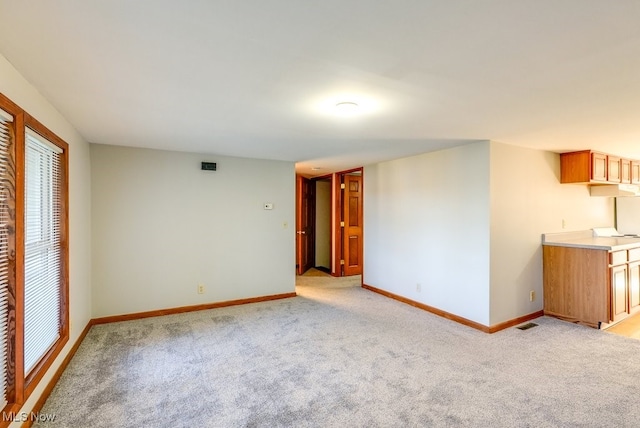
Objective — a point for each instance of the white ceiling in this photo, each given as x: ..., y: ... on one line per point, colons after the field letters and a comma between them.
x: 252, y: 78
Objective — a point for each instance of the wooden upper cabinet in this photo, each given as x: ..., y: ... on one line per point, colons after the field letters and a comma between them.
x: 613, y: 169
x: 575, y: 167
x: 583, y: 167
x: 625, y: 171
x: 599, y: 167
x: 635, y: 172
x: 587, y: 166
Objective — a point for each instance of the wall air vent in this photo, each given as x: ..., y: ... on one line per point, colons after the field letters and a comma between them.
x: 209, y: 166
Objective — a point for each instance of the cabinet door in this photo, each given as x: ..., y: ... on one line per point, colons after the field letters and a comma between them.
x: 625, y: 171
x: 619, y: 292
x: 598, y: 167
x: 634, y: 286
x: 635, y: 172
x: 613, y: 169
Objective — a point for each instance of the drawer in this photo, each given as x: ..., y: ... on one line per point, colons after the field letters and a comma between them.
x: 634, y: 254
x: 617, y: 257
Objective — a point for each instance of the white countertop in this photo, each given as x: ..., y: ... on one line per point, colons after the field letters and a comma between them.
x: 585, y: 239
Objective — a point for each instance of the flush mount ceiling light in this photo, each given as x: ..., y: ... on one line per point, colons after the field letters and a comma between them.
x: 347, y: 107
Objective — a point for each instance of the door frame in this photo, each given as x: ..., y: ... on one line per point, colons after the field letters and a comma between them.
x: 337, y: 204
x: 352, y: 232
x: 337, y: 201
x: 305, y: 235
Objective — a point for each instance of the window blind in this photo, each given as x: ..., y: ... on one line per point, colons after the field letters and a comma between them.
x: 42, y: 280
x: 5, y: 193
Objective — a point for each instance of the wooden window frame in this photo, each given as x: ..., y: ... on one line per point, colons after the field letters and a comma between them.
x: 20, y: 386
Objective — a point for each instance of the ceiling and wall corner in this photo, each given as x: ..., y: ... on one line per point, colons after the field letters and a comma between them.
x: 255, y: 79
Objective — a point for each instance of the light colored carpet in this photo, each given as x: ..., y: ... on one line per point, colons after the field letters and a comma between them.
x: 316, y: 272
x: 344, y: 356
x: 316, y: 278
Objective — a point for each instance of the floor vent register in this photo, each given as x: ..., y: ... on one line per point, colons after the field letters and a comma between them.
x: 527, y: 326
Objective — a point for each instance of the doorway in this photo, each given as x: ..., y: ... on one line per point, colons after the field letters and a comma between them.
x: 350, y: 230
x: 323, y: 217
x: 305, y: 227
x: 329, y: 214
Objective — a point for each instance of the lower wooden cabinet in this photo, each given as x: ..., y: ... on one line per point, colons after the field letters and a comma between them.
x: 634, y: 286
x: 619, y: 292
x: 589, y: 286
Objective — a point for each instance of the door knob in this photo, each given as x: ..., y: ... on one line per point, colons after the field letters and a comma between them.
x: 301, y: 232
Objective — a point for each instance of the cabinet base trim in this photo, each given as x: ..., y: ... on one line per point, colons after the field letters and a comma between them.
x: 461, y: 320
x: 574, y: 320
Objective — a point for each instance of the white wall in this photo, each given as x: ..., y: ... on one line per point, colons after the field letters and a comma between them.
x: 21, y: 92
x: 161, y: 226
x: 426, y: 220
x: 466, y: 223
x: 323, y: 223
x: 528, y: 200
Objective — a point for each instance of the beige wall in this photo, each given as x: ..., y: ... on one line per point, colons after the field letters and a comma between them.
x: 161, y: 226
x: 528, y: 200
x: 426, y: 221
x: 466, y: 223
x: 15, y: 87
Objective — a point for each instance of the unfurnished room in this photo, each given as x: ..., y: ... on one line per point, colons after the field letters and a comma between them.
x: 323, y: 214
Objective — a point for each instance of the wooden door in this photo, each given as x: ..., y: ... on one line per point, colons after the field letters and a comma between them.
x: 305, y: 211
x: 352, y: 230
x: 619, y: 289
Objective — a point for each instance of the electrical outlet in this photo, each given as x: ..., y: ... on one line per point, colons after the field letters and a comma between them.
x: 532, y: 296
x: 564, y: 223
x: 200, y: 288
x: 418, y: 287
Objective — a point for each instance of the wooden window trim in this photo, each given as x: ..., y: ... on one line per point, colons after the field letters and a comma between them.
x: 41, y: 368
x: 20, y: 387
